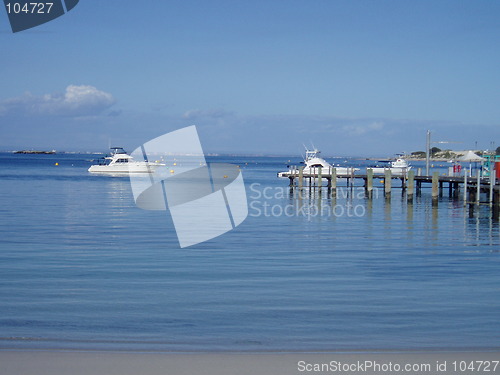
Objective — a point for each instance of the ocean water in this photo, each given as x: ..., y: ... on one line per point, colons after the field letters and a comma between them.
x: 82, y: 267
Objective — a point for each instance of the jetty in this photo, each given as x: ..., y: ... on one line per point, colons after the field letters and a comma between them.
x: 474, y: 189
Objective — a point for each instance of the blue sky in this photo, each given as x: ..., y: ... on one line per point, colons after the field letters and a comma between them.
x: 364, y: 78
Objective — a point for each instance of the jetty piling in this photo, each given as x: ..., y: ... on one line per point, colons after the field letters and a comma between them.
x: 334, y: 181
x: 369, y: 182
x: 471, y: 194
x: 387, y: 183
x: 435, y: 188
x: 411, y: 186
x: 478, y: 187
x: 320, y: 180
x: 492, y: 183
x: 465, y: 189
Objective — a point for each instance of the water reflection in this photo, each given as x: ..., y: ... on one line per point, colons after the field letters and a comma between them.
x: 420, y: 221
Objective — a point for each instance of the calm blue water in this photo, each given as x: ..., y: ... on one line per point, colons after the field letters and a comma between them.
x: 82, y: 267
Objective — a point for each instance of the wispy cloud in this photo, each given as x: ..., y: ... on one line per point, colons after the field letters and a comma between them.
x: 199, y: 114
x: 76, y: 100
x: 363, y: 129
x: 333, y: 135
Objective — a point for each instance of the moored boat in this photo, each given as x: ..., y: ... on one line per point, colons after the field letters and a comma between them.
x: 398, y: 167
x: 121, y: 162
x: 313, y: 162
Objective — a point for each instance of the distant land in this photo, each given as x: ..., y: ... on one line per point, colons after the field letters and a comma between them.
x: 436, y: 154
x: 34, y: 152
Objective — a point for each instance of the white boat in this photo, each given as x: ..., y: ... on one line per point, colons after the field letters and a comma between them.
x: 399, y: 167
x: 121, y: 162
x: 312, y: 164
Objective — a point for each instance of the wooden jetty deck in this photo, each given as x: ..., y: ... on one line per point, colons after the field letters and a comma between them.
x: 470, y: 188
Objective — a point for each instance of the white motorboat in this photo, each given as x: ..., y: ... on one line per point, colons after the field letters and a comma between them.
x: 398, y: 167
x: 312, y: 164
x: 121, y: 162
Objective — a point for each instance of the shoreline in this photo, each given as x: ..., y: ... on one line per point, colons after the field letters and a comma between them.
x: 50, y: 362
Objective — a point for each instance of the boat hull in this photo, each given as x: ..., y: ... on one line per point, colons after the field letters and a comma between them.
x: 340, y: 171
x: 130, y: 168
x: 394, y: 171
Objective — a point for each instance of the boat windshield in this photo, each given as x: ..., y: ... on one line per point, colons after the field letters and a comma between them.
x: 103, y: 161
x: 117, y: 150
x: 310, y: 154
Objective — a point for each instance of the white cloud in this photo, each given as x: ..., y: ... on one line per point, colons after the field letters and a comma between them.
x: 80, y: 100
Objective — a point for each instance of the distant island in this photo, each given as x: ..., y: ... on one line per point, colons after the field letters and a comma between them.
x: 34, y: 152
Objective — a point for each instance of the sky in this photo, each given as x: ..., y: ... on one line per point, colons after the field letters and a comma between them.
x: 352, y: 78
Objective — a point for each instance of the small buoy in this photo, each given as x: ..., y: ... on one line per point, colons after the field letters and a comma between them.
x: 175, y: 163
x: 56, y: 164
x: 171, y: 171
x: 381, y: 181
x: 225, y: 176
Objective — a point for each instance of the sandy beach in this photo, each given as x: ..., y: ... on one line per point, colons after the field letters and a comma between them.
x: 30, y: 362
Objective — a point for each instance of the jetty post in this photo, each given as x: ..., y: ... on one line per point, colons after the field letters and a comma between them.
x: 301, y: 177
x: 411, y: 185
x: 334, y: 181
x: 320, y: 180
x: 465, y: 189
x: 369, y: 182
x: 328, y: 176
x: 435, y: 187
x: 404, y: 180
x: 387, y: 183
x: 291, y: 177
x: 478, y: 187
x: 492, y: 185
x: 496, y: 202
